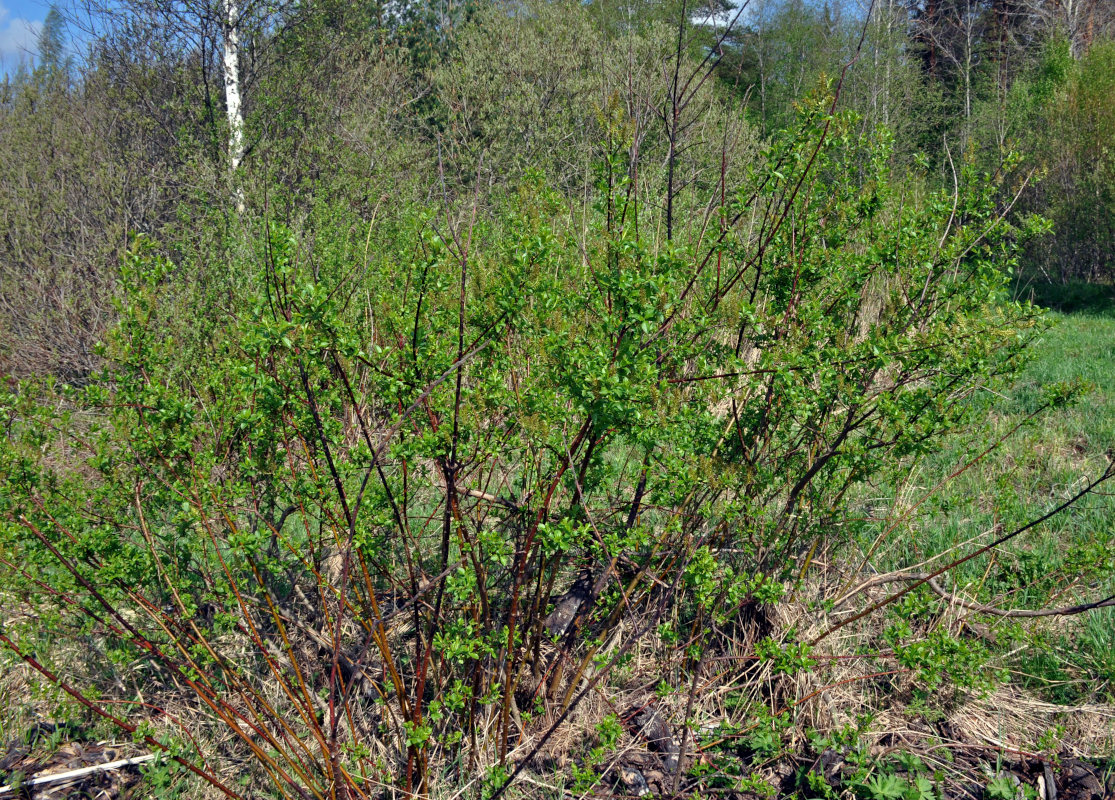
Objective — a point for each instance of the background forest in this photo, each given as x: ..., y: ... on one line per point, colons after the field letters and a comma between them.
x: 551, y: 398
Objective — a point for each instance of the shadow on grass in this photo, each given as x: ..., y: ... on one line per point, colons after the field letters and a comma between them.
x: 1075, y: 297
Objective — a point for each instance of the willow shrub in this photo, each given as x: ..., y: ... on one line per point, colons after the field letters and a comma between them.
x: 339, y: 531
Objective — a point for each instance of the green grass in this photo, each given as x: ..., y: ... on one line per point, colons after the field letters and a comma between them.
x: 1070, y: 558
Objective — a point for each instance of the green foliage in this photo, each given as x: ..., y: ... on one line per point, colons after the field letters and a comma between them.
x: 786, y: 657
x: 885, y: 787
x: 586, y: 775
x: 338, y: 461
x: 1001, y: 787
x: 1072, y: 142
x: 275, y: 487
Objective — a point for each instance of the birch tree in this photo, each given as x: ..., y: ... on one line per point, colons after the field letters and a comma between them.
x: 231, y: 48
x: 228, y: 43
x: 1081, y: 21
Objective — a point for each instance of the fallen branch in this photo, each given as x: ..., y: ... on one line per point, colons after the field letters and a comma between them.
x: 1107, y: 474
x: 929, y: 580
x: 58, y: 777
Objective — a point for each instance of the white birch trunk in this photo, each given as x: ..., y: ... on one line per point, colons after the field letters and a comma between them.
x: 232, y: 96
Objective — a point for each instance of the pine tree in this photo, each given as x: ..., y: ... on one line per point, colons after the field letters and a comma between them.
x: 52, y: 49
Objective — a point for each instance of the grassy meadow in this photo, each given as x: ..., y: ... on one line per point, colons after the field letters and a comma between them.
x: 1040, y: 462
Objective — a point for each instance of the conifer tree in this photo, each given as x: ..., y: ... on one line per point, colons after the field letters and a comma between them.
x: 52, y: 55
